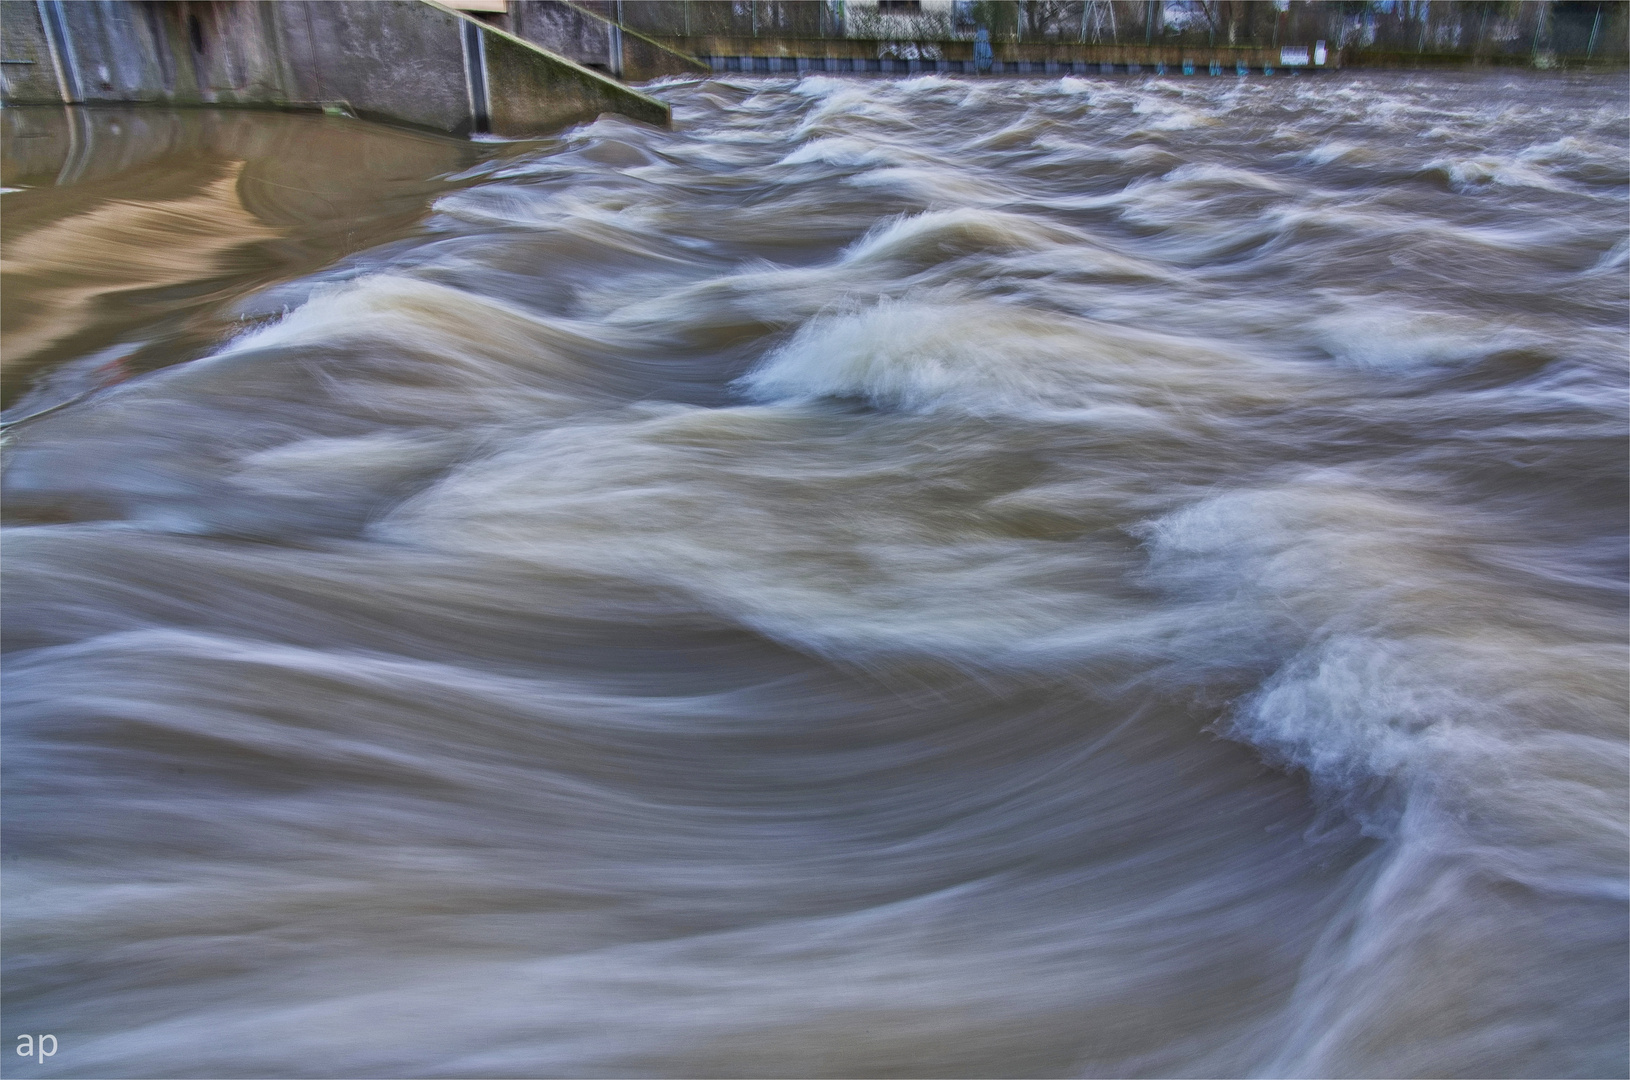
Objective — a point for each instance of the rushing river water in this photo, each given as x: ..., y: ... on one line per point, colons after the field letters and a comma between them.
x: 931, y: 577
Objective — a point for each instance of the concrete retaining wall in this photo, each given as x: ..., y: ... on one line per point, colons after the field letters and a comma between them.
x: 401, y: 61
x: 597, y: 42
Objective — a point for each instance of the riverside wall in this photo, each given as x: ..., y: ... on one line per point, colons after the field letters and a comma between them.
x: 413, y: 62
x: 593, y: 40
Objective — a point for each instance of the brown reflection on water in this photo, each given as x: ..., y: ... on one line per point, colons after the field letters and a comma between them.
x: 151, y: 219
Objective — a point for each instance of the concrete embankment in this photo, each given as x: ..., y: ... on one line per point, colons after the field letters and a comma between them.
x: 402, y: 61
x: 595, y: 41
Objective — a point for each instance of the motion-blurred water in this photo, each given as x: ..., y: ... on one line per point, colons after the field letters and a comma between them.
x: 936, y: 577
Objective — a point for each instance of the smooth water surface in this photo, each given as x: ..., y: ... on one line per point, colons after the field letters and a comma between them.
x: 887, y: 578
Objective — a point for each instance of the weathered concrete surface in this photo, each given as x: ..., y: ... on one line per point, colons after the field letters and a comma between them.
x: 597, y: 42
x: 402, y: 61
x: 380, y: 60
x: 560, y: 94
x: 26, y: 71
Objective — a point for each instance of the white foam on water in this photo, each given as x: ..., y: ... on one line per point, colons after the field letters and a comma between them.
x: 941, y: 234
x: 835, y: 150
x: 723, y: 505
x: 476, y: 341
x: 1368, y: 335
x: 1388, y: 691
x: 1334, y: 150
x: 1470, y: 173
x: 986, y: 359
